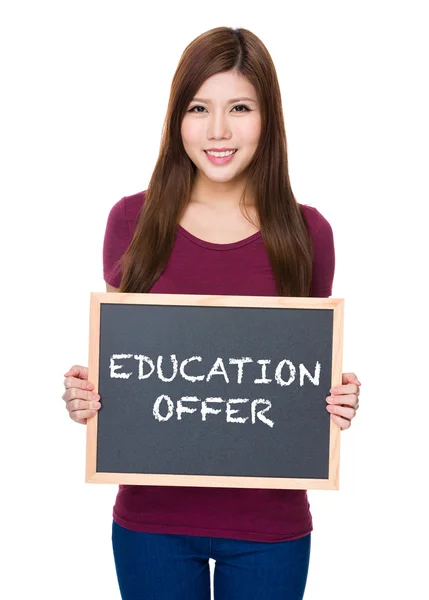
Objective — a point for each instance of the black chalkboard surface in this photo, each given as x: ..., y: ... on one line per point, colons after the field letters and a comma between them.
x: 214, y: 390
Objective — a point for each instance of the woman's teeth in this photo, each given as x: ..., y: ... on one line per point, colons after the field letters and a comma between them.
x: 220, y: 154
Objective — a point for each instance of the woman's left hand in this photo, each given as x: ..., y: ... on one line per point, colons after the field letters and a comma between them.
x: 344, y: 400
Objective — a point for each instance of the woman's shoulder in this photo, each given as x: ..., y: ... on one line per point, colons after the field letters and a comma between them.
x: 317, y: 223
x: 128, y: 207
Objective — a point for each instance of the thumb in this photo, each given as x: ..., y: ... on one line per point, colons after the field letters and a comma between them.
x: 77, y: 371
x: 350, y: 378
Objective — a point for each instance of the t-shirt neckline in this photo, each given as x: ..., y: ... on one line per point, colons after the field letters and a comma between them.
x: 216, y: 246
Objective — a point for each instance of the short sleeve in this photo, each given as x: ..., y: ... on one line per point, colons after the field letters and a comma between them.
x: 116, y: 242
x: 323, y: 258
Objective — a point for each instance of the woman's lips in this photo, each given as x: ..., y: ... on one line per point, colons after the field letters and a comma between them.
x: 221, y: 160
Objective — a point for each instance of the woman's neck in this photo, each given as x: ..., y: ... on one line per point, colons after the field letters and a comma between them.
x: 223, y: 195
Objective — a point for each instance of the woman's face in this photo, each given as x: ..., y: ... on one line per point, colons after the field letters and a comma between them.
x: 224, y: 114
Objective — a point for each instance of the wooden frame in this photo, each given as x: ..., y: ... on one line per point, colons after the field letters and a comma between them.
x: 97, y: 299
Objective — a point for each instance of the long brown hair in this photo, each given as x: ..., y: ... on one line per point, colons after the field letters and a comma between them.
x: 283, y: 228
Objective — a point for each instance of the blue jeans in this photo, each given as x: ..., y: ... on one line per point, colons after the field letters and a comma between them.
x: 152, y: 566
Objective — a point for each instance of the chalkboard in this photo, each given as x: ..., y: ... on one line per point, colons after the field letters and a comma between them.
x: 224, y: 391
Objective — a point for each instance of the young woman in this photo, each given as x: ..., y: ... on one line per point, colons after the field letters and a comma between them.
x: 218, y: 217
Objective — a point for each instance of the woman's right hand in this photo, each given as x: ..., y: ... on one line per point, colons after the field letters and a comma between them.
x: 81, y: 402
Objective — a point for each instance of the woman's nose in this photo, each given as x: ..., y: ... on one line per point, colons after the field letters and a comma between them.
x: 218, y: 126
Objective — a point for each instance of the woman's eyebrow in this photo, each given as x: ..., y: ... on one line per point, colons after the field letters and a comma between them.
x: 206, y: 101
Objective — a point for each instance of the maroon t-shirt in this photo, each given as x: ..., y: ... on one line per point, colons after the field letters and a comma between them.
x: 199, y: 267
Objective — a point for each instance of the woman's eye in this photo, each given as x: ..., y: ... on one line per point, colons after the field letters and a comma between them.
x: 236, y: 106
x: 242, y: 106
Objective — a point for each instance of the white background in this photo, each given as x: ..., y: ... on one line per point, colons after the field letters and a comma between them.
x: 85, y: 88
